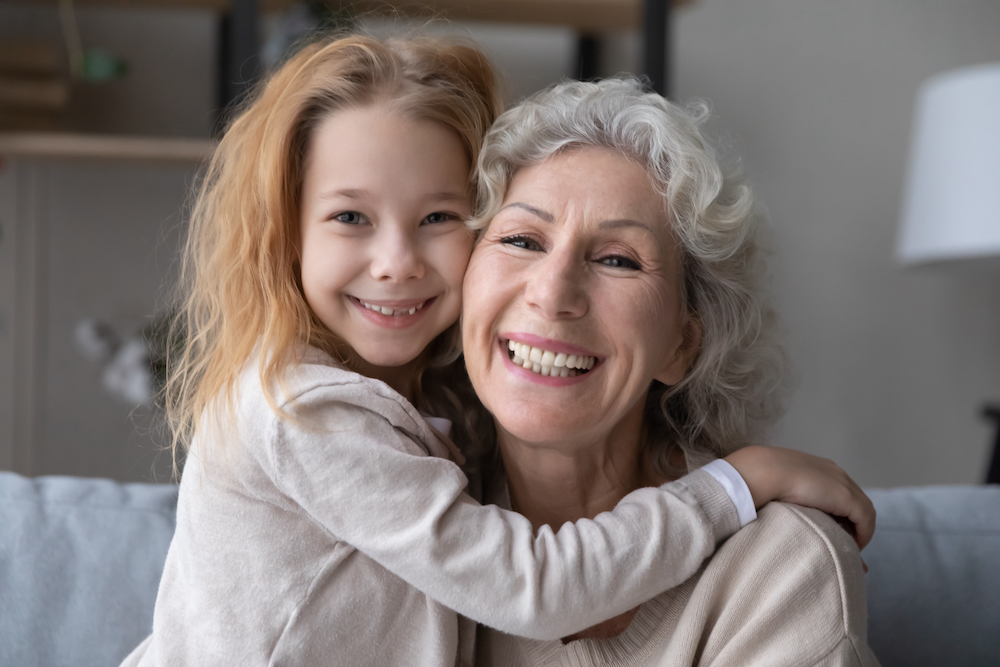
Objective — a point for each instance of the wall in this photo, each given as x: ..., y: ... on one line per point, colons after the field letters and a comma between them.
x: 893, y: 365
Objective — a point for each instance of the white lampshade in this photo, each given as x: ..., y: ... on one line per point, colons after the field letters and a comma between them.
x: 951, y: 208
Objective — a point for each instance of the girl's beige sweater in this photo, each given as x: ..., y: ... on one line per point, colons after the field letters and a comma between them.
x: 347, y: 538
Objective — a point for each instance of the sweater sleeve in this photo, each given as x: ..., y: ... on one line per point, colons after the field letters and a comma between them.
x: 370, y: 484
x: 787, y: 591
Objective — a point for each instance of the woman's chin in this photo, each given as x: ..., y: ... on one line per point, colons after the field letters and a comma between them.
x: 539, y: 427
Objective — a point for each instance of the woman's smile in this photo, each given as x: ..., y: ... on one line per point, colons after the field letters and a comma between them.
x: 546, y: 358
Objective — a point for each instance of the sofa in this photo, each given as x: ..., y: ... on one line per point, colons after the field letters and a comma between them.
x: 80, y: 560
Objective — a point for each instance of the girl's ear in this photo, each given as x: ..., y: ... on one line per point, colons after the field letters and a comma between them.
x: 683, y: 358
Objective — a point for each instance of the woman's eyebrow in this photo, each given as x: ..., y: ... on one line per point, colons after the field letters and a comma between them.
x: 625, y: 222
x: 547, y: 217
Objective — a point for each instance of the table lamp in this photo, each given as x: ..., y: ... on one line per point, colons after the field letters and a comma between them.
x: 951, y: 207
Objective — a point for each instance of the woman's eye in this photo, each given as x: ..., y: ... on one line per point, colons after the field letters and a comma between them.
x: 438, y: 217
x: 524, y: 242
x: 349, y: 218
x: 619, y: 262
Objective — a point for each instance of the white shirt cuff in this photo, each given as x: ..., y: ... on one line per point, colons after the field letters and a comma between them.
x: 737, y: 489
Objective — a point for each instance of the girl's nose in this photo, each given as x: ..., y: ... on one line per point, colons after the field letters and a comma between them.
x: 557, y: 286
x: 396, y: 256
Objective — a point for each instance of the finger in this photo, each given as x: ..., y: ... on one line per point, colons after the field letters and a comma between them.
x: 864, y: 566
x: 863, y: 518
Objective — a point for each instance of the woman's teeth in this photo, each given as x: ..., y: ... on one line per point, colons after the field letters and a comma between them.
x: 392, y: 312
x: 548, y: 363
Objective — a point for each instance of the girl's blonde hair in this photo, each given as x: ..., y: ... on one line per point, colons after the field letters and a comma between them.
x: 239, y: 285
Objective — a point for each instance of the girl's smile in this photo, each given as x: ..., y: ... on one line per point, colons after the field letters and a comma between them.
x: 393, y: 314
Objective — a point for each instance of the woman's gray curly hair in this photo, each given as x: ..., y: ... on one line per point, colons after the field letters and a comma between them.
x: 734, y: 387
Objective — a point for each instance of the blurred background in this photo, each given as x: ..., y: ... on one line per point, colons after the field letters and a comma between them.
x: 108, y: 107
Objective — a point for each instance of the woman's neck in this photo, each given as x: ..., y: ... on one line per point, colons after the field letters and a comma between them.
x: 552, y: 483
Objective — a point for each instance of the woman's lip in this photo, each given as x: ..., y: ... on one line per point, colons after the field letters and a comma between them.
x: 535, y: 378
x: 547, y: 344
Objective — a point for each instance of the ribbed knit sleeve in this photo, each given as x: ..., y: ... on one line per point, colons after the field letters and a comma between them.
x: 357, y: 464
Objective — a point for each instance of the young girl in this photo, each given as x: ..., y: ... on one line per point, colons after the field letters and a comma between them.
x: 321, y: 519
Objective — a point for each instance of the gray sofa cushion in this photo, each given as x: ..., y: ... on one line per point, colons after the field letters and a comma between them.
x: 934, y: 580
x: 78, y: 555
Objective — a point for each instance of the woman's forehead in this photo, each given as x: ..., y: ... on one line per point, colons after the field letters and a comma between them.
x: 599, y: 179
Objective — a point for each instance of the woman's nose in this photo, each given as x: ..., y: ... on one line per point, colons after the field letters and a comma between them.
x: 556, y: 287
x: 396, y: 255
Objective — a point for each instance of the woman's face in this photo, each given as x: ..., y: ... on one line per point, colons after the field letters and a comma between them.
x: 580, y: 274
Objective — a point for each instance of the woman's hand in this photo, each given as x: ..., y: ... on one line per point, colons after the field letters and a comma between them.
x: 775, y: 473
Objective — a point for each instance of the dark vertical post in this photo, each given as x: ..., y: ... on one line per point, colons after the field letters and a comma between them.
x: 992, y: 412
x: 656, y: 44
x: 239, y: 55
x: 588, y: 57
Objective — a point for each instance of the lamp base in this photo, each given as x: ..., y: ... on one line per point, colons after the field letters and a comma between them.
x: 992, y: 412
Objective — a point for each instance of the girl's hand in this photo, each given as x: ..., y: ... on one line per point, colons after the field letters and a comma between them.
x: 775, y: 473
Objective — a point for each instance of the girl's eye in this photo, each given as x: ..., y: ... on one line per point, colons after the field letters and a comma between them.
x: 619, y: 262
x: 438, y: 217
x: 349, y: 218
x: 525, y: 242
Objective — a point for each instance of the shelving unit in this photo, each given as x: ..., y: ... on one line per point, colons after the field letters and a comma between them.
x: 239, y: 23
x: 584, y: 15
x: 55, y: 185
x: 104, y: 147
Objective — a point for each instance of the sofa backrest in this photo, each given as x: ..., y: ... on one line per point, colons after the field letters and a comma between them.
x: 80, y: 563
x: 934, y: 576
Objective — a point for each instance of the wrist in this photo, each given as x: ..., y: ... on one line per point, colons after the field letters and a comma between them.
x: 751, y: 462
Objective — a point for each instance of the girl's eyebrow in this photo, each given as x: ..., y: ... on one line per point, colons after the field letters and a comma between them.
x: 347, y: 193
x: 362, y: 194
x: 448, y: 195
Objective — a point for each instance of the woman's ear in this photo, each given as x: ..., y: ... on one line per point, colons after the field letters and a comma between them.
x: 683, y: 358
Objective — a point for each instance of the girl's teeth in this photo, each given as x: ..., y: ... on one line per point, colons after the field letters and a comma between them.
x: 548, y: 363
x: 391, y: 311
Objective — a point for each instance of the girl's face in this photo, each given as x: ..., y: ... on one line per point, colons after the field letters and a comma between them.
x: 383, y: 240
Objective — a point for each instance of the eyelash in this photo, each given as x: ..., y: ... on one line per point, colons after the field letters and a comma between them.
x: 339, y: 217
x: 444, y: 215
x: 522, y: 242
x: 624, y: 262
x: 527, y: 243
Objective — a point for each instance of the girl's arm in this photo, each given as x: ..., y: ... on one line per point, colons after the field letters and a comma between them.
x: 374, y: 487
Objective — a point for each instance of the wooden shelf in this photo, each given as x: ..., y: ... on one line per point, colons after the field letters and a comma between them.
x: 584, y: 15
x: 107, y: 147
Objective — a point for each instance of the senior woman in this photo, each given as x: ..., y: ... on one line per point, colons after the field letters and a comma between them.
x: 614, y: 328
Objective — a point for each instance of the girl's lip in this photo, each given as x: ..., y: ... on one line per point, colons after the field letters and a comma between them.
x: 393, y: 321
x: 547, y: 344
x: 393, y: 303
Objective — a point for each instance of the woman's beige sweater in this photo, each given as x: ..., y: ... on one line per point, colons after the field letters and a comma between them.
x: 348, y: 539
x: 787, y: 590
